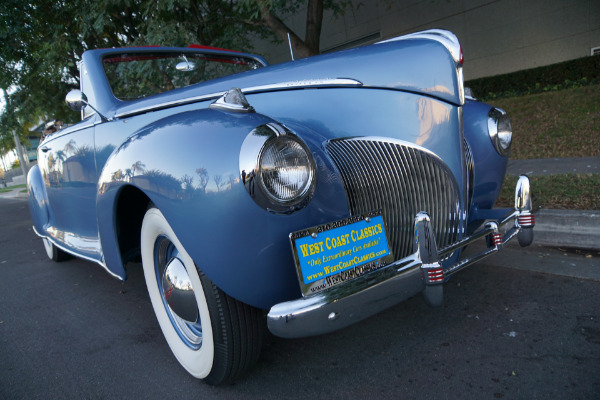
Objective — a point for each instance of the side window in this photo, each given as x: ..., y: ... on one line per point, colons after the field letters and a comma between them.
x: 87, y: 89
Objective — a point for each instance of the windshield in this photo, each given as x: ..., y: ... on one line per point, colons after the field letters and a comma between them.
x: 135, y: 75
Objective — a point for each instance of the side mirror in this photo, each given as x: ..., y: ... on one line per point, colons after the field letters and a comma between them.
x: 185, y: 65
x: 76, y: 100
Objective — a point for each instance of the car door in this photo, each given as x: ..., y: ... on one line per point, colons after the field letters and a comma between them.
x: 67, y: 160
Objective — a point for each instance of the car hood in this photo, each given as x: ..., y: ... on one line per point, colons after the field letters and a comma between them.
x: 416, y: 65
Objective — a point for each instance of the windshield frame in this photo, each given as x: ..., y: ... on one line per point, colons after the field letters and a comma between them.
x: 210, y: 58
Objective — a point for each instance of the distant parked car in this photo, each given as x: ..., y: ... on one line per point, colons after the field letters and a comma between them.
x: 310, y: 194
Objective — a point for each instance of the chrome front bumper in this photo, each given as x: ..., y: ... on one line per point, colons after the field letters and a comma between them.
x: 422, y: 271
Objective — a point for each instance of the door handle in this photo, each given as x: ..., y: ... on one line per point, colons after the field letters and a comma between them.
x: 45, y: 149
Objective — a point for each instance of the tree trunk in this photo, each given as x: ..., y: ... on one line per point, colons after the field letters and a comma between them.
x: 20, y: 154
x: 314, y: 20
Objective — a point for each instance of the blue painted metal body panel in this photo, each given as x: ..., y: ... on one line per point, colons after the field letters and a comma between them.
x: 409, y: 92
x: 489, y: 166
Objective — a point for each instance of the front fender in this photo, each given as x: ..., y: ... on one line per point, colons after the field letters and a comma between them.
x: 38, y: 199
x: 166, y: 154
x: 189, y: 169
x: 489, y: 166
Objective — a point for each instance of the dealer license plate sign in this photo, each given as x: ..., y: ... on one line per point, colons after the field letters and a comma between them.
x: 333, y: 253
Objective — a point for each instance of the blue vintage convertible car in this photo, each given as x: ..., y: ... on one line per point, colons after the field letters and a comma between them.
x: 310, y: 194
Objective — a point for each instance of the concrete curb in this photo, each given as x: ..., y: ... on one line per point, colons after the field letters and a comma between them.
x: 568, y: 228
x: 562, y: 228
x: 554, y: 166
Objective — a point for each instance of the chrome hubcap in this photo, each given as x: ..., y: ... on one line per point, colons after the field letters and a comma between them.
x: 179, y: 292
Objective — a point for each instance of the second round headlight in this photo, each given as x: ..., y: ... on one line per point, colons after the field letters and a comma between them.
x: 500, y: 130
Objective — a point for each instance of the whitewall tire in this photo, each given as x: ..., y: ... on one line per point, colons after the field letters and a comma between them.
x: 213, y: 336
x: 53, y: 252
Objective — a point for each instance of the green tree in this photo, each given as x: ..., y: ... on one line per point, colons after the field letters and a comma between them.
x: 43, y: 40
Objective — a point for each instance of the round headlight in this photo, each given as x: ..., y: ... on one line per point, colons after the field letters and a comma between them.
x: 500, y: 130
x: 285, y: 169
x: 277, y: 169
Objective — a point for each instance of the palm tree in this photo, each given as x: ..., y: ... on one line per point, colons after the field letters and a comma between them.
x: 61, y: 156
x: 70, y: 146
x: 137, y: 167
x: 117, y: 175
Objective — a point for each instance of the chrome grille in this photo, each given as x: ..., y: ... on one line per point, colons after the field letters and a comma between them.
x: 401, y: 180
x: 470, y: 172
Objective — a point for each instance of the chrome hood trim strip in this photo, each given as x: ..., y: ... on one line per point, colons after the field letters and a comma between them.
x: 325, y: 82
x: 290, y: 85
x: 446, y: 38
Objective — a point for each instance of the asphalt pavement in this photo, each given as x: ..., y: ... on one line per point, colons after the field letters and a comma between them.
x: 71, y: 331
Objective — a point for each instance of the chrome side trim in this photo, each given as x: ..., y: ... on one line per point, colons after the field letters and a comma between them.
x: 71, y: 252
x: 291, y: 85
x: 168, y: 104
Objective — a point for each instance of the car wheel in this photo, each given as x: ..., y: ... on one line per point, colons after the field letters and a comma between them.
x: 53, y: 252
x: 213, y: 336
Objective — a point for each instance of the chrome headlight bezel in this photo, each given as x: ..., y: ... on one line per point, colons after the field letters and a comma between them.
x: 500, y: 130
x: 262, y: 183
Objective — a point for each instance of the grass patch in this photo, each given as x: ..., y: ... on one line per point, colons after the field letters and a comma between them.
x: 570, y: 191
x: 11, y: 188
x: 567, y: 74
x: 563, y: 123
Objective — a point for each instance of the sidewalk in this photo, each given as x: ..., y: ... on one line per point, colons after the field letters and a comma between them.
x: 554, y: 166
x: 20, y: 192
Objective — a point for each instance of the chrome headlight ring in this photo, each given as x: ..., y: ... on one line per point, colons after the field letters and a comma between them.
x: 277, y: 169
x: 500, y: 130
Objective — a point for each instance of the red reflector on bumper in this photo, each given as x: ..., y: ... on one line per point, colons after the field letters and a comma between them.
x: 435, y: 275
x: 496, y: 239
x: 526, y: 220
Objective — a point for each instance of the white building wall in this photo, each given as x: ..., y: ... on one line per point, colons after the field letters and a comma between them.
x: 497, y: 36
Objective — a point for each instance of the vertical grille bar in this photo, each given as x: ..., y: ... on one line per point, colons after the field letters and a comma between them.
x: 401, y: 180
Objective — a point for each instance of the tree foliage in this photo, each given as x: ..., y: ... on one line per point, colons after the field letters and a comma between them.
x: 43, y: 40
x: 271, y: 14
